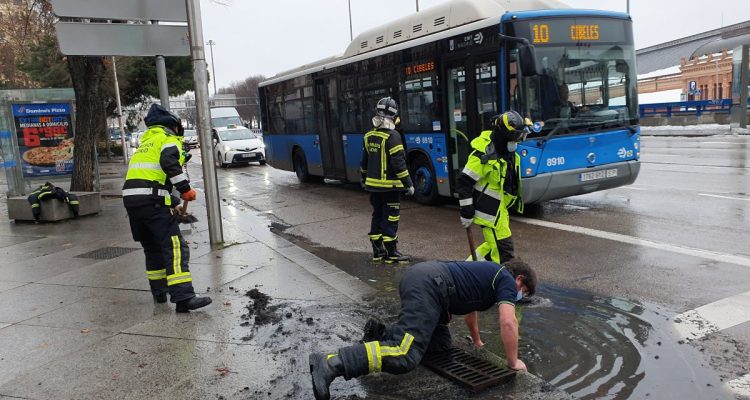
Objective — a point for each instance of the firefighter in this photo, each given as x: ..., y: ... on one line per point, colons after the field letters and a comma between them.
x: 490, y: 185
x: 385, y: 176
x: 430, y: 293
x: 154, y: 170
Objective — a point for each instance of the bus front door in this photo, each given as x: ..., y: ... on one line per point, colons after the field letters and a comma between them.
x: 329, y: 132
x: 472, y: 92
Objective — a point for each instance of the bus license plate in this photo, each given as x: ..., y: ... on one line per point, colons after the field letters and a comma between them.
x: 594, y: 175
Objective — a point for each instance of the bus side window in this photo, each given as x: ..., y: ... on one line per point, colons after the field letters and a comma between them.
x: 514, y: 88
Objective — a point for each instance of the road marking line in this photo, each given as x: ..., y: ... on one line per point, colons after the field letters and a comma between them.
x: 741, y: 385
x: 722, y: 197
x: 713, y: 317
x: 689, y: 251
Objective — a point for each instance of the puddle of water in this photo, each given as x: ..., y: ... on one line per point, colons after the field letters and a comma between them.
x: 590, y: 346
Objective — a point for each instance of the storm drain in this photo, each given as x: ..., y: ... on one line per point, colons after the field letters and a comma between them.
x: 107, y: 253
x: 467, y: 370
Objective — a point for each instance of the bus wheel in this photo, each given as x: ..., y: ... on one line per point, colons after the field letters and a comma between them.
x: 300, y: 166
x: 425, y: 186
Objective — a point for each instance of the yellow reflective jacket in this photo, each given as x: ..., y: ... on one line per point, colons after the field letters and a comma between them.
x: 154, y: 169
x: 481, y: 185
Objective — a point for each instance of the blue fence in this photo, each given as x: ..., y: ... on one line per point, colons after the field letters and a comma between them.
x: 694, y: 107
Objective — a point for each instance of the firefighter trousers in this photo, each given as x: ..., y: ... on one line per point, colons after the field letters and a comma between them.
x: 167, y: 253
x: 422, y: 326
x: 386, y: 210
x: 494, y: 249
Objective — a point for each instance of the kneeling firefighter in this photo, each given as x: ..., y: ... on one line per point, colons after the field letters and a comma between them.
x: 154, y: 170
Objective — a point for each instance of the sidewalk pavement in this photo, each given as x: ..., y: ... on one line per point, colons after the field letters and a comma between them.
x: 73, y: 327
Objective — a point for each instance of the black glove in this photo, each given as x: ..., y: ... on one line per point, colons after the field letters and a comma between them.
x: 467, y: 211
x: 362, y: 180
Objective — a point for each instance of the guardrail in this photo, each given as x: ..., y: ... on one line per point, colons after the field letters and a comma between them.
x: 694, y: 107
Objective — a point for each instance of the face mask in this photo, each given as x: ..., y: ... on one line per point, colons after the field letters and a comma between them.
x: 519, y: 295
x: 512, y: 146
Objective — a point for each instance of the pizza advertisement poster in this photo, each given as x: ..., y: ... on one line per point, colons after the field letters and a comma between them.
x: 45, y: 138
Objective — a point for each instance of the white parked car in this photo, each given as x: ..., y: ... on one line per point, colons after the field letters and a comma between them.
x: 237, y: 145
x: 191, y: 138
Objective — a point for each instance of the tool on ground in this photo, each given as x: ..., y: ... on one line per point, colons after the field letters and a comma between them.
x: 184, y: 217
x: 471, y: 244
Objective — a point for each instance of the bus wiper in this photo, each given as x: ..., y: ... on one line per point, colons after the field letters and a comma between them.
x: 542, y: 141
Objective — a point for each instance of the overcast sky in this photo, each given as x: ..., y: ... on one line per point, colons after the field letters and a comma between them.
x: 264, y: 37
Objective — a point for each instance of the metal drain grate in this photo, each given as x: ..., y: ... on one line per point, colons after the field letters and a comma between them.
x: 107, y: 253
x: 467, y: 370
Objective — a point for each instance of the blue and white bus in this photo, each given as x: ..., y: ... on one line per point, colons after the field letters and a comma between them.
x: 451, y: 68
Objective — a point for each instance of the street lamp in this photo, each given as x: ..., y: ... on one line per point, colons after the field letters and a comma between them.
x: 351, y: 34
x: 211, y: 44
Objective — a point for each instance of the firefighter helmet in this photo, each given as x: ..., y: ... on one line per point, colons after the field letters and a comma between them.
x: 386, y: 107
x: 511, y: 125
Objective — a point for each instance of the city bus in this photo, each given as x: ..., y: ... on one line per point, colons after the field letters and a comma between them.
x: 451, y: 68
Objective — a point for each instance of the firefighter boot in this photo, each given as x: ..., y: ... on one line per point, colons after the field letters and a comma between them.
x: 373, y: 330
x: 393, y: 255
x: 324, y: 369
x: 378, y: 251
x: 192, y: 303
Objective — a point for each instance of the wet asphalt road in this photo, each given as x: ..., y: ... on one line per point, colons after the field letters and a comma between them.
x: 617, y: 267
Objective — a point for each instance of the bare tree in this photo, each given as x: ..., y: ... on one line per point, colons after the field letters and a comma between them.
x: 247, y: 96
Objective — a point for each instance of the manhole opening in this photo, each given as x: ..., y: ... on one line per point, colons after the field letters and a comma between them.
x: 467, y: 370
x: 107, y: 253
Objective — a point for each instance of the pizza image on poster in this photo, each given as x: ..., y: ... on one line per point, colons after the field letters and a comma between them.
x: 45, y: 138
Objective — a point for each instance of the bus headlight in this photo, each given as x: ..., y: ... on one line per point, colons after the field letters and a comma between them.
x: 532, y: 160
x: 524, y: 153
x: 528, y: 171
x: 635, y: 145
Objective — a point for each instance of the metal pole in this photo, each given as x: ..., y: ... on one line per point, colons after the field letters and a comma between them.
x: 351, y: 34
x: 161, y: 77
x: 210, y: 182
x: 119, y: 112
x: 417, y: 5
x: 627, y: 9
x: 211, y: 44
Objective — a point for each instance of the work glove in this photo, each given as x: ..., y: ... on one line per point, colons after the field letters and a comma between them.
x: 189, y: 195
x: 467, y: 212
x: 409, y: 191
x: 466, y: 222
x: 362, y: 180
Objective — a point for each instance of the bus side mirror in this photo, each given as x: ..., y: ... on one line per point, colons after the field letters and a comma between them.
x: 527, y: 56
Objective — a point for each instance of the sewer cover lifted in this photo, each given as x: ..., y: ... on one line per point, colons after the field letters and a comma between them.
x: 467, y: 370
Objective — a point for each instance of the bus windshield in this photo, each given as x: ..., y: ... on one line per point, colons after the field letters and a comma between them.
x: 582, y: 85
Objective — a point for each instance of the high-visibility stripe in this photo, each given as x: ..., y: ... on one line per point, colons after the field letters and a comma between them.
x: 35, y: 205
x: 176, y: 255
x: 179, y: 278
x: 74, y: 202
x: 389, y: 238
x: 484, y: 216
x: 400, y: 350
x: 375, y: 237
x: 470, y: 173
x: 377, y: 134
x: 384, y: 183
x: 393, y: 219
x: 374, y: 356
x: 396, y: 149
x: 168, y: 145
x: 402, y: 174
x: 143, y: 191
x: 145, y: 165
x: 465, y: 202
x: 157, y: 274
x: 178, y: 178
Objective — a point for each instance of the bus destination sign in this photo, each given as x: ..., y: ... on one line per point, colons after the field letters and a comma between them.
x: 419, y: 68
x: 573, y: 31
